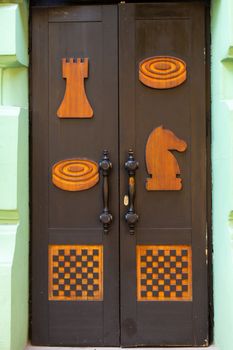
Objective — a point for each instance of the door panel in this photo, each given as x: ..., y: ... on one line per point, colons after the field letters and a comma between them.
x: 67, y: 232
x: 164, y: 301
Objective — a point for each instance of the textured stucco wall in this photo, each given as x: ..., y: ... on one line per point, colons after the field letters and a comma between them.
x: 222, y: 163
x: 13, y: 175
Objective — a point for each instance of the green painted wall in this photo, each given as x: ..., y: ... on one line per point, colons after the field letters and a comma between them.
x: 222, y: 163
x: 13, y: 175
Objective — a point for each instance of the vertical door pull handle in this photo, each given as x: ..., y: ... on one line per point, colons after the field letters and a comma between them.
x: 105, y: 167
x: 131, y: 166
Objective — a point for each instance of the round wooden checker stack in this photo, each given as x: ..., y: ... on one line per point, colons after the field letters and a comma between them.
x: 75, y: 174
x: 162, y: 72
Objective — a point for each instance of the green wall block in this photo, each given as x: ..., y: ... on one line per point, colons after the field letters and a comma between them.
x: 0, y: 86
x: 7, y: 249
x: 11, y: 2
x: 9, y: 123
x: 227, y: 79
x: 14, y: 286
x: 20, y: 286
x: 14, y: 30
x: 20, y: 273
x: 13, y: 79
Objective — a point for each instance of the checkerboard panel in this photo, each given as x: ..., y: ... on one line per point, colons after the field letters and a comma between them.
x: 75, y: 272
x: 164, y: 273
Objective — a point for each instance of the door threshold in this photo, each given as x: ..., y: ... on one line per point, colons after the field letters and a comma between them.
x: 32, y: 347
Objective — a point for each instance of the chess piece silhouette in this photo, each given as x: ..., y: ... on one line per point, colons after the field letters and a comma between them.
x: 75, y: 103
x: 161, y: 163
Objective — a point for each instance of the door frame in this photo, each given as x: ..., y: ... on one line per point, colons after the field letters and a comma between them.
x: 58, y: 3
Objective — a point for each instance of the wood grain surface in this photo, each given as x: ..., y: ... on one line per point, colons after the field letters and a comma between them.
x: 75, y: 103
x: 162, y: 72
x: 75, y: 174
x: 161, y: 163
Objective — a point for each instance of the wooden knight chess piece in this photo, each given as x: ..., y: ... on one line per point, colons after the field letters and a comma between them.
x: 161, y: 163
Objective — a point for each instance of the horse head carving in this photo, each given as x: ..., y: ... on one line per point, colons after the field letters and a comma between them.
x: 161, y: 164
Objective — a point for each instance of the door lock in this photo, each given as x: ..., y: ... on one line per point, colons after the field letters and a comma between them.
x: 126, y: 200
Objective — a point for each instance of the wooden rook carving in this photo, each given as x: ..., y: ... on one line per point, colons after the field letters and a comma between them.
x: 162, y: 72
x: 75, y: 174
x: 75, y: 103
x: 161, y: 163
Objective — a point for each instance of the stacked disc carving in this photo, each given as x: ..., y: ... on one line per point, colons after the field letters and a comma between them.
x: 75, y: 174
x: 162, y: 72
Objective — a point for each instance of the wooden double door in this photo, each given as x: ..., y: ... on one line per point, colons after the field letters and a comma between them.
x: 119, y: 245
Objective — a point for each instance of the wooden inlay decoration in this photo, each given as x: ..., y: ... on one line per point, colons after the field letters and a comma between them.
x: 162, y: 72
x: 164, y: 273
x: 161, y: 163
x: 75, y: 272
x: 75, y: 174
x: 75, y: 103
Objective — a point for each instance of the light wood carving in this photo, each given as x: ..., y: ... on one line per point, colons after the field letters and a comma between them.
x: 75, y: 174
x: 162, y: 72
x: 75, y: 103
x: 164, y: 273
x: 161, y: 163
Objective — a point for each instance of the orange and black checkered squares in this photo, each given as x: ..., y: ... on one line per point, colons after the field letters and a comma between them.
x: 75, y: 272
x: 164, y: 273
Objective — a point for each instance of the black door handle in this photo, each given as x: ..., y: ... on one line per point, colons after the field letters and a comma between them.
x: 131, y: 166
x: 105, y: 166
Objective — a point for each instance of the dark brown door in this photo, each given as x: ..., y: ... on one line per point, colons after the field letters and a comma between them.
x: 140, y: 281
